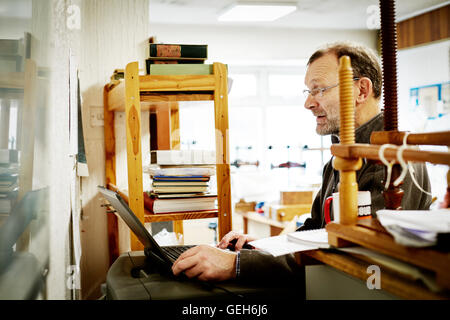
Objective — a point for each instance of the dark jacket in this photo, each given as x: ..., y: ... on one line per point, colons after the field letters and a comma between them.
x: 255, y: 264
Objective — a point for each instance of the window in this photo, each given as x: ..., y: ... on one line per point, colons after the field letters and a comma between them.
x: 268, y: 124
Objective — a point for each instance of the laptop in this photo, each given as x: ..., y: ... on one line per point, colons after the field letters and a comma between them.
x: 165, y: 256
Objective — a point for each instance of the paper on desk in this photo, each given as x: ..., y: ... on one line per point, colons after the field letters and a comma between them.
x: 415, y: 228
x: 280, y: 245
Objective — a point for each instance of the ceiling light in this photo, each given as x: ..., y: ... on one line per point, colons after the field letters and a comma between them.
x: 249, y: 12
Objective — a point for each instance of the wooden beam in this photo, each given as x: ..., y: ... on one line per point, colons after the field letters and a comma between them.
x: 110, y: 174
x: 27, y: 143
x: 163, y: 127
x: 441, y: 138
x: 177, y: 83
x: 222, y: 148
x: 134, y: 151
x: 368, y: 151
x: 425, y: 28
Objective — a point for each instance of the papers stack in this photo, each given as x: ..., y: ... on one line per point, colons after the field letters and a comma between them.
x: 293, y: 242
x: 415, y: 228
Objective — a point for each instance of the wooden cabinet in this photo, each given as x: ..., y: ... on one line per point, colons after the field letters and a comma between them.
x: 149, y: 92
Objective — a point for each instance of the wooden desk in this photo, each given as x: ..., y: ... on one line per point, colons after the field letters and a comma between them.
x: 275, y: 226
x: 370, y: 234
x: 397, y: 284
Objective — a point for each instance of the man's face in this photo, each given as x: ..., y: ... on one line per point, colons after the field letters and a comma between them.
x: 322, y: 73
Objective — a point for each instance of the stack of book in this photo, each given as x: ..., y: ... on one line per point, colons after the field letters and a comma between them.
x: 180, y: 181
x: 8, y: 180
x: 118, y: 74
x: 188, y: 56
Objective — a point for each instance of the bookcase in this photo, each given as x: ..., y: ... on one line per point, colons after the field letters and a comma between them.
x: 150, y: 92
x: 20, y: 86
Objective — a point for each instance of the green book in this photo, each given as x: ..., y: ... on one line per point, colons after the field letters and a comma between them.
x: 181, y: 69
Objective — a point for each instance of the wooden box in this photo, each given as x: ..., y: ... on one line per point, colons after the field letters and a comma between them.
x: 296, y: 197
x: 288, y: 212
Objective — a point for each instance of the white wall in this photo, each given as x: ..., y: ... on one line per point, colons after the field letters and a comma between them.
x: 113, y: 33
x: 46, y: 54
x: 236, y: 43
x: 420, y: 66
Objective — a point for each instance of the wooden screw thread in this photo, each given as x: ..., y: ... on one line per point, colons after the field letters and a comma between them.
x: 389, y: 59
x: 347, y: 107
x: 348, y: 189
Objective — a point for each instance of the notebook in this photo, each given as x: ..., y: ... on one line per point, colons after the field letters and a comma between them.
x: 293, y: 242
x: 164, y: 257
x: 316, y: 237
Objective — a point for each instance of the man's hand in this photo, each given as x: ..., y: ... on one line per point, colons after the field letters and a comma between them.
x: 206, y: 263
x: 241, y: 240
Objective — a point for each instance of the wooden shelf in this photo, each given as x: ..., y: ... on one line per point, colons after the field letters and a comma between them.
x: 158, y: 89
x: 391, y: 281
x: 161, y: 93
x: 189, y: 215
x: 370, y: 234
x: 368, y: 151
x: 12, y: 80
x: 155, y: 217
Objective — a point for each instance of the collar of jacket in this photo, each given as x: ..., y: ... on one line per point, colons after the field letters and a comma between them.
x: 362, y: 134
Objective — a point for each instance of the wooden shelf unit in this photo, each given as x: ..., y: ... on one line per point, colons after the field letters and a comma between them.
x: 148, y: 92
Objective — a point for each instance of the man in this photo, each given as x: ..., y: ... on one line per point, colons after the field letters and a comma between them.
x: 322, y: 78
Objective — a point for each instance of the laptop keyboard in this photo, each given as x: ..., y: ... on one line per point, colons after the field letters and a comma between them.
x: 174, y: 252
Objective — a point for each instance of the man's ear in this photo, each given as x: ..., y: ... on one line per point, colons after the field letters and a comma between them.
x: 365, y: 90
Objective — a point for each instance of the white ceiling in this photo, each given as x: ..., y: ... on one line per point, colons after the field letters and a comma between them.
x: 323, y: 14
x: 314, y: 14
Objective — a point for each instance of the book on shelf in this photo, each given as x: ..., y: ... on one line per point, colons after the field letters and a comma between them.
x: 181, y: 178
x: 180, y: 69
x: 8, y: 177
x: 9, y: 156
x: 6, y: 204
x: 175, y: 172
x: 9, y: 191
x: 179, y: 189
x: 8, y: 199
x: 118, y: 74
x: 171, y: 61
x: 181, y: 195
x: 182, y: 157
x: 317, y: 237
x: 164, y: 60
x: 179, y: 50
x: 154, y: 204
x: 193, y: 183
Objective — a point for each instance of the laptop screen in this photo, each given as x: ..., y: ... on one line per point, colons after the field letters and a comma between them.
x: 130, y: 219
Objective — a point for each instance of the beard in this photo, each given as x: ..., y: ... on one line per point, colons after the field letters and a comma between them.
x: 330, y: 126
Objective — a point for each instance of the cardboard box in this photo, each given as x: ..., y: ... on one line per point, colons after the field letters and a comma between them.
x: 288, y: 212
x: 296, y: 197
x: 243, y: 206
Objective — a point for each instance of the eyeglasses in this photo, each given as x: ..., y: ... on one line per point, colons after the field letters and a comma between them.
x: 320, y: 91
